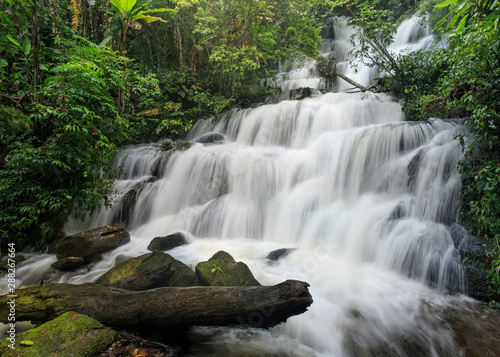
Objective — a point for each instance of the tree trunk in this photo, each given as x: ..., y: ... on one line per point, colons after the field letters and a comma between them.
x: 36, y: 52
x: 350, y: 81
x: 257, y: 306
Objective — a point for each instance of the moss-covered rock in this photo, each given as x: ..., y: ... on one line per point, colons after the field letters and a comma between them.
x: 69, y: 263
x: 149, y: 271
x: 91, y: 243
x: 223, y: 270
x: 169, y: 242
x: 71, y: 334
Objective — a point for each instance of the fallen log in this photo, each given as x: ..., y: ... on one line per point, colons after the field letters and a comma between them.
x: 257, y: 306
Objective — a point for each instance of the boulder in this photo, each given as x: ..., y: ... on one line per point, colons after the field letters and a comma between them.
x: 210, y: 138
x: 91, y: 243
x: 169, y: 242
x: 70, y: 334
x: 277, y: 254
x: 222, y: 270
x: 149, y: 271
x: 69, y: 263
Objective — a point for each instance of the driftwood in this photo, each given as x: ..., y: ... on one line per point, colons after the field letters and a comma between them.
x: 257, y: 306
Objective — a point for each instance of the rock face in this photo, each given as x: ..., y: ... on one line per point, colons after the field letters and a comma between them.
x: 223, y: 270
x: 477, y: 260
x: 90, y: 244
x: 71, y: 334
x: 149, y: 271
x: 69, y: 263
x: 169, y: 242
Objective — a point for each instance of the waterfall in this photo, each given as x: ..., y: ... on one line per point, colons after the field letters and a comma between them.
x: 365, y: 196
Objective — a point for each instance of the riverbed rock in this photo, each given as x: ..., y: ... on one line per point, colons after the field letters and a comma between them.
x: 149, y: 271
x: 169, y: 242
x: 277, y: 254
x: 89, y: 244
x: 210, y: 138
x: 69, y: 263
x: 71, y: 334
x: 222, y: 270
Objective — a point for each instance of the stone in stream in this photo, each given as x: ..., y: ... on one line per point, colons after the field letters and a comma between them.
x: 90, y: 244
x: 210, y: 138
x: 277, y: 254
x: 149, y: 271
x: 169, y: 242
x: 222, y: 270
x: 70, y: 334
x: 69, y: 263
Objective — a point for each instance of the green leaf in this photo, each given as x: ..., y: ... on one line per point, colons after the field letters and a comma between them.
x: 105, y: 41
x: 26, y: 46
x: 27, y: 343
x: 446, y: 3
x: 11, y: 39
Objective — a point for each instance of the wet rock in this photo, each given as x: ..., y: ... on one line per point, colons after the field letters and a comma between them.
x: 91, y: 243
x: 69, y: 263
x: 277, y: 254
x: 169, y: 242
x: 149, y: 271
x: 18, y: 258
x: 222, y: 270
x: 71, y: 334
x: 121, y: 258
x: 477, y: 259
x: 210, y: 138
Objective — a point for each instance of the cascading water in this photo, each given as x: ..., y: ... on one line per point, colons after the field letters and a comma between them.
x: 366, y: 197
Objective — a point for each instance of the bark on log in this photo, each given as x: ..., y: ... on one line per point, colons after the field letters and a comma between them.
x: 257, y: 306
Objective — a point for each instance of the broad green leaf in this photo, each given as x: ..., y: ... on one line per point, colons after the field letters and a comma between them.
x: 11, y: 39
x: 117, y: 4
x: 447, y: 3
x: 26, y: 46
x: 148, y: 18
x: 127, y: 5
x: 462, y: 22
x: 105, y: 41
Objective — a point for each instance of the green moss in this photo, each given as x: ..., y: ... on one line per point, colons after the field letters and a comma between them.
x: 157, y: 268
x: 223, y: 270
x: 71, y: 334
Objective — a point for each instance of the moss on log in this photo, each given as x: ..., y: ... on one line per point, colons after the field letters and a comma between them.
x: 257, y: 306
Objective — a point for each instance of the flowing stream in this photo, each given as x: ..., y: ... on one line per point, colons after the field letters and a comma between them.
x: 366, y: 197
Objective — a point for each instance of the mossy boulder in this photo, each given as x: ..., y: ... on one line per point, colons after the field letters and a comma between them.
x: 222, y: 270
x: 71, y: 334
x: 149, y: 271
x: 90, y: 244
x: 69, y: 263
x: 169, y: 242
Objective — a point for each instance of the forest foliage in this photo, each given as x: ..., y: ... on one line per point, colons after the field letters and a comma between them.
x: 79, y: 78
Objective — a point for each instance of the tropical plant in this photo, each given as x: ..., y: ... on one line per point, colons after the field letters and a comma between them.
x: 129, y: 14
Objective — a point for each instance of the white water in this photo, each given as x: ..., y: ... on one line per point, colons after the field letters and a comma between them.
x: 365, y: 197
